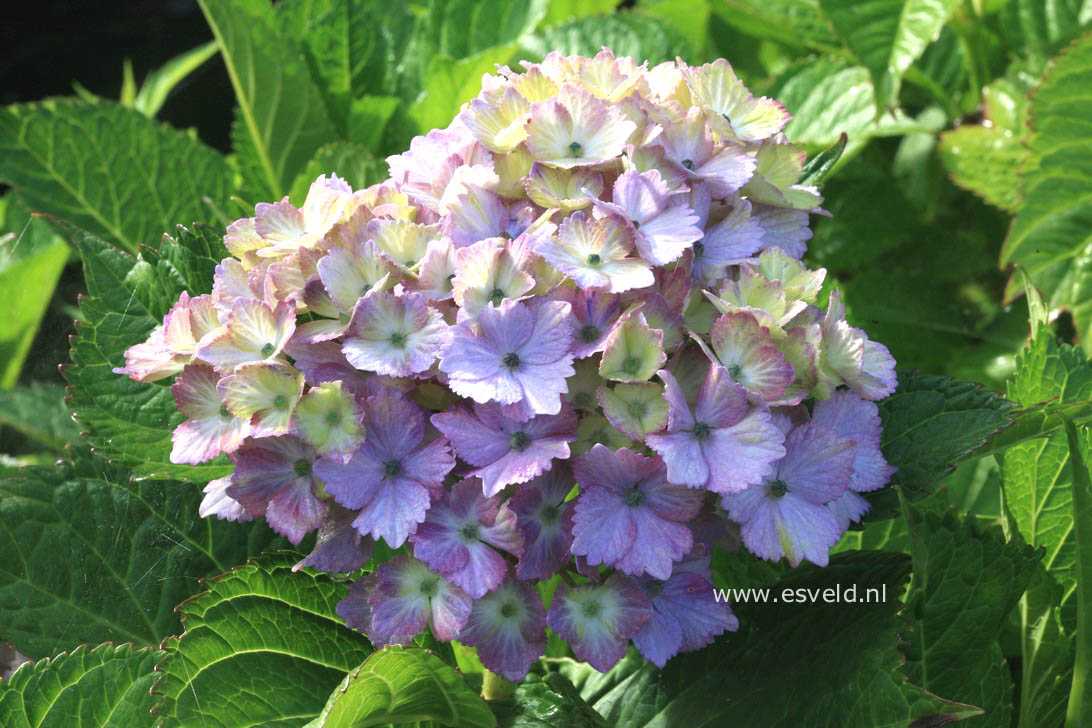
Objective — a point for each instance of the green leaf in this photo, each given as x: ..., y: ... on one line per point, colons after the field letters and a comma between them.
x: 263, y: 646
x: 131, y: 422
x: 451, y: 83
x: 28, y: 285
x: 563, y: 11
x: 552, y: 702
x: 1037, y: 474
x: 352, y: 162
x: 819, y: 166
x: 769, y: 675
x: 281, y: 118
x: 1052, y: 231
x: 966, y: 581
x: 110, y: 170
x: 159, y: 84
x: 795, y: 23
x: 1079, y: 711
x: 1037, y: 29
x: 828, y: 98
x: 469, y: 27
x: 887, y: 36
x: 400, y: 685
x: 627, y: 34
x: 89, y: 555
x: 981, y: 160
x: 39, y: 413
x: 1046, y: 656
x: 101, y: 687
x: 930, y: 423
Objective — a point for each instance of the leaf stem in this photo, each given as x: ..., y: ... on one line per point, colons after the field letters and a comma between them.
x: 1079, y: 710
x: 495, y: 687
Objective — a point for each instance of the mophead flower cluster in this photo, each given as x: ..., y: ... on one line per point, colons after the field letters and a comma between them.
x: 570, y: 337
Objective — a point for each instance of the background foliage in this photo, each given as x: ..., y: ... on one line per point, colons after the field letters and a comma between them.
x: 965, y: 187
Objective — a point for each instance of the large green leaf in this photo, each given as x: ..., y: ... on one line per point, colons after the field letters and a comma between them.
x: 111, y: 170
x: 39, y: 413
x: 158, y: 85
x: 627, y: 34
x: 551, y: 702
x: 795, y: 664
x: 887, y: 36
x: 930, y: 423
x: 352, y: 162
x: 966, y: 581
x: 398, y: 685
x: 796, y: 23
x: 281, y: 118
x: 88, y: 555
x: 1038, y: 28
x: 27, y: 284
x: 1052, y: 233
x: 263, y: 646
x: 981, y: 160
x: 467, y: 27
x: 131, y: 422
x: 451, y: 83
x: 827, y: 98
x: 104, y: 687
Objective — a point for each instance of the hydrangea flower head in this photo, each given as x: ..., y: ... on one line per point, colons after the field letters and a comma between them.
x: 570, y: 337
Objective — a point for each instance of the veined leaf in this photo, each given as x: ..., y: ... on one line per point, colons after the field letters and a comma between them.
x: 1037, y: 29
x: 282, y: 119
x: 981, y: 160
x: 352, y: 162
x: 469, y: 27
x: 851, y: 649
x: 39, y: 413
x: 101, y: 687
x: 399, y: 685
x: 887, y: 36
x: 88, y: 555
x: 263, y: 646
x: 1052, y: 232
x: 553, y: 701
x: 131, y: 422
x: 796, y: 23
x: 451, y: 83
x: 108, y: 169
x: 563, y: 11
x: 1079, y: 710
x: 627, y: 34
x: 966, y: 581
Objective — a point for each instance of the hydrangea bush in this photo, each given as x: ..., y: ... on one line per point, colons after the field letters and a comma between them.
x: 570, y: 338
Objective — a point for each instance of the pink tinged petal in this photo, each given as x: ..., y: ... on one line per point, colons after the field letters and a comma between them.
x: 792, y: 527
x: 265, y: 393
x: 437, y: 268
x: 195, y: 392
x: 545, y: 521
x: 278, y: 221
x: 726, y: 171
x: 349, y: 273
x: 686, y: 615
x: 201, y: 440
x: 734, y: 239
x: 658, y: 543
x: 720, y: 402
x: 603, y: 528
x: 476, y: 215
x: 743, y: 454
x: 597, y: 620
x: 783, y: 227
x: 745, y: 348
x: 660, y: 638
x: 450, y: 610
x: 218, y: 503
x: 679, y: 416
x: 665, y: 237
x: 393, y: 510
x: 640, y: 196
x: 849, y: 415
x: 818, y: 463
x: 295, y: 511
x: 576, y: 129
x: 151, y: 360
x: 684, y: 457
x: 395, y: 335
x: 877, y: 377
x: 474, y: 441
x: 508, y: 627
x: 254, y: 332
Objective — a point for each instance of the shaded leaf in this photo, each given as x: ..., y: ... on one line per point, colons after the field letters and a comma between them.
x: 552, y: 702
x: 627, y: 34
x: 981, y: 160
x: 39, y: 413
x: 103, y: 687
x: 28, y: 284
x: 263, y: 646
x: 88, y: 555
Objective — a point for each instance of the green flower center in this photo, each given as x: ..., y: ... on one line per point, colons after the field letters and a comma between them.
x: 410, y: 263
x: 496, y: 296
x: 511, y: 360
x: 637, y: 409
x: 365, y: 288
x: 590, y: 333
x: 333, y: 417
x: 734, y: 370
x: 508, y: 610
x: 280, y: 401
x: 688, y: 163
x: 778, y: 489
x: 393, y: 468
x: 267, y: 351
x: 519, y: 440
x: 302, y: 468
x: 576, y: 149
x: 594, y: 259
x: 631, y: 365
x: 634, y: 497
x: 654, y: 588
x: 429, y: 587
x: 225, y: 413
x: 549, y: 513
x: 699, y: 249
x: 469, y: 532
x: 582, y: 399
x: 702, y: 430
x: 636, y: 225
x: 592, y: 609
